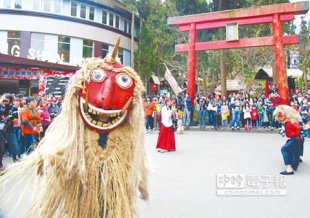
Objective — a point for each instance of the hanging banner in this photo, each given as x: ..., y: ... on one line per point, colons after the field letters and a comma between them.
x: 50, y: 81
x: 172, y: 82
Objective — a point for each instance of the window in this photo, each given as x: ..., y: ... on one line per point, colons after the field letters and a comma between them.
x: 47, y: 5
x: 104, y: 50
x: 73, y: 9
x: 83, y: 11
x: 87, y: 48
x: 121, y: 54
x: 111, y: 19
x: 129, y: 27
x: 13, y: 42
x: 64, y: 48
x: 7, y: 3
x: 117, y: 22
x: 104, y: 17
x: 91, y: 14
x: 57, y: 6
x: 36, y: 5
x: 37, y: 43
x: 125, y: 26
x: 18, y: 4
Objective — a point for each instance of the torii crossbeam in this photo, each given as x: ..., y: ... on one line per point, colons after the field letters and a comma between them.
x: 274, y: 14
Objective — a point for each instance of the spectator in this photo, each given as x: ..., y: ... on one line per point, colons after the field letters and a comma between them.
x: 217, y: 113
x: 187, y: 110
x: 211, y: 110
x: 224, y: 114
x: 11, y: 117
x: 261, y: 111
x: 149, y: 108
x: 236, y: 108
x: 202, y: 102
x: 45, y: 117
x: 254, y: 116
x: 247, y: 115
x: 53, y: 109
x: 30, y: 124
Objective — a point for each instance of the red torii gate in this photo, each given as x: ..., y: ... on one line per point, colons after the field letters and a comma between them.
x: 274, y: 14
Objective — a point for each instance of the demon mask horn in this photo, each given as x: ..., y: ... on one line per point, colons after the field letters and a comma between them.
x: 115, y: 50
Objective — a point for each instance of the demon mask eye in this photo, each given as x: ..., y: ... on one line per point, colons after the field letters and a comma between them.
x: 98, y: 75
x: 124, y: 81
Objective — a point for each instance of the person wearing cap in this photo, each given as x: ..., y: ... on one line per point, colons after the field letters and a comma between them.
x: 30, y: 120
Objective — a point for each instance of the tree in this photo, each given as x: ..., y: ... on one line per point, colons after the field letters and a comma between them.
x: 304, y: 52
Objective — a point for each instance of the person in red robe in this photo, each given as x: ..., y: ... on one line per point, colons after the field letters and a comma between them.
x: 166, y: 139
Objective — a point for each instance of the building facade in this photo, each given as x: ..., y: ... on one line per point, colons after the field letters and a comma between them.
x: 64, y: 32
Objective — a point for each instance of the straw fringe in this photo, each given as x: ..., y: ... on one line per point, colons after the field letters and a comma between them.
x: 290, y: 113
x: 80, y: 178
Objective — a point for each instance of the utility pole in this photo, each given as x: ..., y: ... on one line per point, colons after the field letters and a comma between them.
x: 132, y: 39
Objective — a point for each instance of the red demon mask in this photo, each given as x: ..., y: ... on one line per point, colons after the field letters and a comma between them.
x: 106, y: 100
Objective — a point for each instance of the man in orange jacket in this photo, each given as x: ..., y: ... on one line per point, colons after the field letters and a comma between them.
x: 149, y: 107
x: 30, y: 120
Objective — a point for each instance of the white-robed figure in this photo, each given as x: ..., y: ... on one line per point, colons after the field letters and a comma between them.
x: 166, y: 139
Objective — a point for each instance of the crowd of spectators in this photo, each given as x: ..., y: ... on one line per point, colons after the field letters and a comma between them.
x: 23, y: 122
x: 238, y: 110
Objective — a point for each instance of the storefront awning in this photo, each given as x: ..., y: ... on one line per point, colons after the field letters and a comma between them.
x: 25, y: 62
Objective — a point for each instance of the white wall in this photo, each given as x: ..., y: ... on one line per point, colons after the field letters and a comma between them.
x: 4, y: 42
x: 61, y: 27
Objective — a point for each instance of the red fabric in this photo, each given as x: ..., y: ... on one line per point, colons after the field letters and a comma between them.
x: 254, y: 114
x: 276, y: 101
x: 292, y: 129
x: 166, y: 140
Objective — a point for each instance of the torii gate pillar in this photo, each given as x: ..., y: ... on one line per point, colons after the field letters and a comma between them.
x: 191, y: 78
x: 280, y: 59
x: 274, y: 14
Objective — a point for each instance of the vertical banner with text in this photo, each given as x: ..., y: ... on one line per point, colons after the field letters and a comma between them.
x: 172, y: 82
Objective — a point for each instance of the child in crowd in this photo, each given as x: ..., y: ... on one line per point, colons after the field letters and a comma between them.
x: 247, y: 115
x: 254, y: 116
x: 261, y: 111
x: 180, y: 116
x: 224, y: 114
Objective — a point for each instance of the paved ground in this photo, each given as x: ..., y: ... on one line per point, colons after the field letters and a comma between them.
x: 182, y: 184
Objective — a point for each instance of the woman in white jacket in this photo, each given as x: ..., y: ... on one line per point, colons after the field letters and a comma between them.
x: 166, y: 139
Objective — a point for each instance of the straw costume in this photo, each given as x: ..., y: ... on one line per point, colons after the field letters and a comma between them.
x: 293, y: 148
x: 92, y: 160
